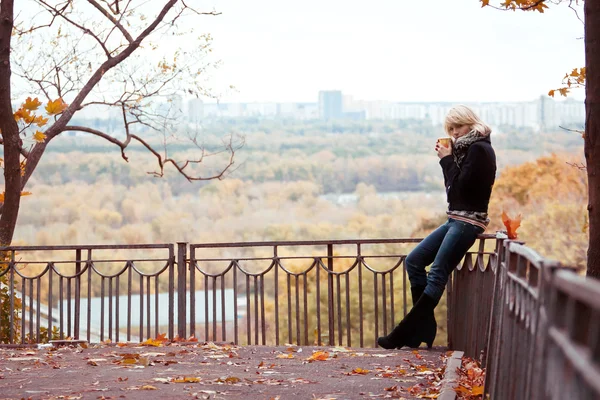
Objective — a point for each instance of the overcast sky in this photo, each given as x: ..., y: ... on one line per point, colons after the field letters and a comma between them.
x: 397, y: 50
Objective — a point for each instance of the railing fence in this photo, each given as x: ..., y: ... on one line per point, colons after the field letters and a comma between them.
x: 305, y: 292
x: 533, y: 323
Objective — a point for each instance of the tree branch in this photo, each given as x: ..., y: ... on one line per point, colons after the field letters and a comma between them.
x: 82, y: 28
x: 163, y: 160
x: 103, y: 135
x: 582, y: 133
x: 112, y: 19
x: 24, y: 152
x: 66, y: 116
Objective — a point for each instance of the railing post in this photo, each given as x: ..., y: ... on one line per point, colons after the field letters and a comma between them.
x: 181, y: 288
x: 77, y: 294
x: 331, y: 311
x: 495, y: 315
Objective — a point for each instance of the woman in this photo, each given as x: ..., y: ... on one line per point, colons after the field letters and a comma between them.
x: 469, y: 167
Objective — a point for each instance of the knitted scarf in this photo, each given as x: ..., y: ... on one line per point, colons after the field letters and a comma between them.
x: 461, y: 145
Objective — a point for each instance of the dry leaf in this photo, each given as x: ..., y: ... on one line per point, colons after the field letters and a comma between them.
x: 187, y: 379
x: 285, y: 356
x: 318, y: 356
x: 511, y: 225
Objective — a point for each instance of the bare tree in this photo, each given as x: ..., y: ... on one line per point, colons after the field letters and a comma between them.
x: 76, y: 54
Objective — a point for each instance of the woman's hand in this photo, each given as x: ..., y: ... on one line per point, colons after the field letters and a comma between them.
x: 443, y: 151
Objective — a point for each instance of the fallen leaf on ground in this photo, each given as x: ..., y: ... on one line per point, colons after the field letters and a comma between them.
x: 186, y: 379
x: 318, y: 356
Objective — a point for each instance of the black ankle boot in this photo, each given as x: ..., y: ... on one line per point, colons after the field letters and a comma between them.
x: 415, y: 321
x: 429, y: 330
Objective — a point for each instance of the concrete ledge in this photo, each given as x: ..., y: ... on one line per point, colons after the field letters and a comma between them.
x: 450, y: 380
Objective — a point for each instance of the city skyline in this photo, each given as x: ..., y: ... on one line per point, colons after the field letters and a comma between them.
x: 539, y: 114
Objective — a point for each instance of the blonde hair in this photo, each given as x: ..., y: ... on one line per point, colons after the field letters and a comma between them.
x: 463, y: 115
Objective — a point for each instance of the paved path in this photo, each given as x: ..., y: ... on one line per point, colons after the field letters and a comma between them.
x: 210, y: 371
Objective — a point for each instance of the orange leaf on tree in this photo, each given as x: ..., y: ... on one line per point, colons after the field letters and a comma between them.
x: 31, y: 105
x: 56, y: 107
x: 40, y: 121
x: 511, y: 225
x: 22, y: 194
x: 22, y: 114
x: 39, y: 136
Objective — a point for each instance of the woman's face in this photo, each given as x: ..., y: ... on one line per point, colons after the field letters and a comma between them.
x: 457, y: 131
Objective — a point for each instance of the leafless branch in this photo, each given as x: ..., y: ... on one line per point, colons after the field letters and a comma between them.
x: 81, y: 27
x: 579, y: 166
x: 23, y: 151
x: 49, y: 24
x: 114, y: 4
x: 582, y: 133
x: 200, y: 12
x: 163, y: 160
x: 112, y: 19
x: 575, y: 11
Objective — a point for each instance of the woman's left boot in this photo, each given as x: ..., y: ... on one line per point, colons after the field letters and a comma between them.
x: 415, y: 320
x: 428, y: 330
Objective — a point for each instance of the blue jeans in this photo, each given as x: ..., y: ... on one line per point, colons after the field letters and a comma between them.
x: 445, y: 247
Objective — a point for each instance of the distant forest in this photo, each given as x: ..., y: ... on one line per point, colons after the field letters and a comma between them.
x: 287, y: 178
x: 389, y: 155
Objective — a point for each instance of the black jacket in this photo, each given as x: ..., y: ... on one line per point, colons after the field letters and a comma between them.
x: 470, y: 187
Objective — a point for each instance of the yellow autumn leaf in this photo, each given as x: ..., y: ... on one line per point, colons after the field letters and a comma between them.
x: 187, y: 379
x: 285, y: 356
x: 360, y: 371
x: 40, y: 121
x: 318, y: 356
x: 29, y: 118
x: 56, y: 107
x: 22, y: 194
x: 31, y: 104
x: 148, y: 387
x: 477, y: 391
x: 485, y: 3
x: 39, y: 136
x: 152, y: 342
x: 22, y: 114
x: 461, y: 389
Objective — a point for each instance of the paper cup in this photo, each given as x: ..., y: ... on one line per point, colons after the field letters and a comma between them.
x: 445, y: 141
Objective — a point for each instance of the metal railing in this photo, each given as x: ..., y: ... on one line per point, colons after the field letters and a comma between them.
x: 344, y: 292
x: 90, y: 292
x: 533, y: 323
x: 341, y: 292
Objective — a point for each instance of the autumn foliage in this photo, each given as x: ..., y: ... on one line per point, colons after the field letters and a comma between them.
x: 551, y: 195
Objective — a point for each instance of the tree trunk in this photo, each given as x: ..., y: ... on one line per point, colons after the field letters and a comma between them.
x: 10, y: 131
x: 592, y: 130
